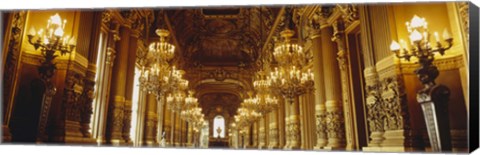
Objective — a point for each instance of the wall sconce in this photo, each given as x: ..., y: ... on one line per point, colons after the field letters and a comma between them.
x: 433, y: 98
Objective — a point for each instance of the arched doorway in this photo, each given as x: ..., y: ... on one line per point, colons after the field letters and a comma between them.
x: 219, y: 127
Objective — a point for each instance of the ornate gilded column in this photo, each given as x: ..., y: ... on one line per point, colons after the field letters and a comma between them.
x: 132, y: 57
x: 295, y: 135
x: 11, y: 59
x: 101, y: 105
x: 261, y: 133
x: 287, y: 125
x: 344, y: 65
x: 273, y: 130
x: 189, y: 135
x: 178, y: 129
x: 117, y: 91
x: 151, y: 120
x: 161, y: 108
x: 167, y: 125
x: 373, y: 100
x: 334, y: 112
x: 320, y: 110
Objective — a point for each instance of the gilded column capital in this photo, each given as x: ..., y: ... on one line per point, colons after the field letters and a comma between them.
x: 106, y: 17
x: 349, y: 12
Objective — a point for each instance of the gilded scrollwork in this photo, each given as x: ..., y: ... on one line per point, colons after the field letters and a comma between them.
x: 394, y: 108
x: 349, y: 12
x: 375, y: 108
x: 321, y: 126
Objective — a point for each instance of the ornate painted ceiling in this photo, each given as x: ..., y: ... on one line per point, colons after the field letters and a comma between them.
x: 221, y: 36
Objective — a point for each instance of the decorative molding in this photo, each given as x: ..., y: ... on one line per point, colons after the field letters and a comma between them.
x: 463, y: 11
x: 442, y: 64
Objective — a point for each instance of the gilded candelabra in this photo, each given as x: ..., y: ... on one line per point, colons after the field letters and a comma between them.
x: 433, y: 97
x: 49, y: 41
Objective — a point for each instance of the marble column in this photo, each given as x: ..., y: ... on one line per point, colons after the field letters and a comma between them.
x: 117, y: 91
x: 334, y: 112
x: 151, y: 120
x: 320, y: 110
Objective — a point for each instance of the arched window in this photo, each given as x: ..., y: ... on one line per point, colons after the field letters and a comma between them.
x: 219, y: 124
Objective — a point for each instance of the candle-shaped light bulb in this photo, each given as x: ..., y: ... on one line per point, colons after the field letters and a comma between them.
x: 437, y: 39
x: 55, y: 19
x: 72, y: 41
x: 446, y: 34
x: 394, y: 46
x: 45, y: 40
x: 58, y: 32
x: 415, y: 36
x: 417, y: 22
x: 40, y: 32
x: 403, y: 44
x: 32, y: 31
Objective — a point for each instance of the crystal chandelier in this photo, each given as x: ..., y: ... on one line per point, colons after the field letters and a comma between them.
x: 190, y: 101
x: 264, y: 101
x: 162, y: 50
x: 290, y: 81
x: 49, y: 41
x: 245, y: 117
x: 176, y: 100
x: 287, y: 52
x: 288, y: 78
x: 157, y: 76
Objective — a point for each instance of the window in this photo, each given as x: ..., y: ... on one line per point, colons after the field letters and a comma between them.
x: 135, y: 102
x: 219, y: 125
